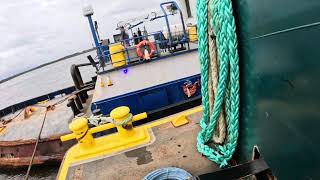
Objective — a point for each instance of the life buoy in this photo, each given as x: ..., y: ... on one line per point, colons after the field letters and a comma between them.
x: 145, y: 54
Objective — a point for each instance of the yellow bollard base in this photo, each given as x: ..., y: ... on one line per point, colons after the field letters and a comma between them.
x: 105, y: 145
x: 179, y: 121
x: 112, y: 143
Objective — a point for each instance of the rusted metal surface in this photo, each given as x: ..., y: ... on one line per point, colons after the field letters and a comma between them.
x: 18, y: 137
x: 18, y: 153
x: 25, y: 130
x: 172, y: 147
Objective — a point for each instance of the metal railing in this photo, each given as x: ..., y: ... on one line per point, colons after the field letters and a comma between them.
x: 162, y: 46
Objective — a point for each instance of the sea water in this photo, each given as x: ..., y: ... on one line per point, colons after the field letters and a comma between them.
x: 35, y: 83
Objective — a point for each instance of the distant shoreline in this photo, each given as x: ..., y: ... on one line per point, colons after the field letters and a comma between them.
x: 46, y: 64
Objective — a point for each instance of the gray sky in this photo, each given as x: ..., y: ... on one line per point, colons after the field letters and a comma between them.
x: 34, y: 32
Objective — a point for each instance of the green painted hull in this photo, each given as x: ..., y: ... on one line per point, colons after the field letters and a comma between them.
x: 280, y: 100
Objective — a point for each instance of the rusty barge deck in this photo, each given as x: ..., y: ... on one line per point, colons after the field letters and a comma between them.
x: 18, y: 137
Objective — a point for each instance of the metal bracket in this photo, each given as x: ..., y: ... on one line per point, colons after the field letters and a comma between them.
x: 257, y: 168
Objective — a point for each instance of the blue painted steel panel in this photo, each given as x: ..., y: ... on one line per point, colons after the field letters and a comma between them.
x: 150, y: 98
x: 155, y: 99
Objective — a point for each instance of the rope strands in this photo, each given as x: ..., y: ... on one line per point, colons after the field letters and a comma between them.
x: 100, y: 120
x: 36, y: 145
x: 168, y: 173
x: 220, y: 133
x: 227, y: 95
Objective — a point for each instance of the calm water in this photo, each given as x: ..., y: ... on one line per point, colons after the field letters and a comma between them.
x: 44, y: 80
x: 33, y: 84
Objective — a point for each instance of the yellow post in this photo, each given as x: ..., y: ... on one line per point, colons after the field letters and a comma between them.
x: 101, y: 82
x: 117, y: 54
x: 80, y: 129
x: 193, y: 33
x: 109, y: 81
x: 119, y: 115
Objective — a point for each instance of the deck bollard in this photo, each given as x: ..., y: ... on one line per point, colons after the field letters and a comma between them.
x: 80, y: 129
x: 122, y: 121
x: 119, y: 115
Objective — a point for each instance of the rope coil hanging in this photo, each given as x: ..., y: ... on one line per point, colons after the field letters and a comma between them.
x: 227, y: 94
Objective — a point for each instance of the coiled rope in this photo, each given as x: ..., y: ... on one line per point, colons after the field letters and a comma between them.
x: 168, y: 173
x: 223, y: 26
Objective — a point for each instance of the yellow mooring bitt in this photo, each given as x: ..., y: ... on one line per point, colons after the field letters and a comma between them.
x: 127, y: 137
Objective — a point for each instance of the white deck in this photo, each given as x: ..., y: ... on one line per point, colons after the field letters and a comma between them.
x: 147, y: 75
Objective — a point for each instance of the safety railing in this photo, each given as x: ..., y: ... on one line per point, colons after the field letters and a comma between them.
x: 163, y: 46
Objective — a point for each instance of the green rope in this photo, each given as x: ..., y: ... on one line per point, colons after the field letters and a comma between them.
x: 228, y: 86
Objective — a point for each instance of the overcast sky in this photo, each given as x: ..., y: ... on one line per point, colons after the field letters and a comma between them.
x: 34, y: 32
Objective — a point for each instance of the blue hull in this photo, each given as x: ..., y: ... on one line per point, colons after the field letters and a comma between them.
x: 149, y: 99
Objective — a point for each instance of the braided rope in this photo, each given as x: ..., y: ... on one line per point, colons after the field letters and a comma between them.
x: 100, y: 120
x: 222, y: 22
x: 220, y: 132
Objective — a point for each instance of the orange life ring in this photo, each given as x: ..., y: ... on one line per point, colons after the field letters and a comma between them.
x: 141, y: 45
